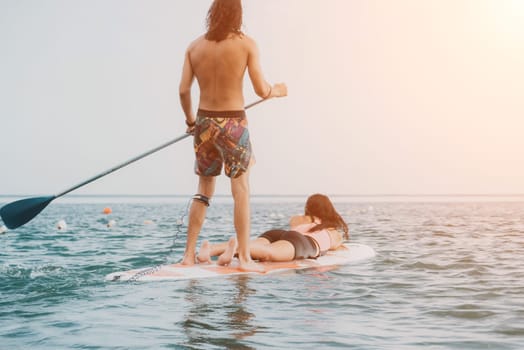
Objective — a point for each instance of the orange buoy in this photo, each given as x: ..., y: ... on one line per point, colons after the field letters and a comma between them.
x: 107, y: 210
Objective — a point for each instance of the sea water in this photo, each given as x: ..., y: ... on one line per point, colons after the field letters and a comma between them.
x: 449, y: 274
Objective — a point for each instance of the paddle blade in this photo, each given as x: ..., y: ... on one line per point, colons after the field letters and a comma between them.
x: 20, y: 212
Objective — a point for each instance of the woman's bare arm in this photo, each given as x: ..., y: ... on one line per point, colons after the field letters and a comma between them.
x: 336, y: 239
x: 300, y: 220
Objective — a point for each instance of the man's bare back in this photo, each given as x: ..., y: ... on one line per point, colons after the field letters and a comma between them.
x: 220, y: 67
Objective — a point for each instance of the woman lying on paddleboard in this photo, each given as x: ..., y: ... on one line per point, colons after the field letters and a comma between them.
x: 311, y: 235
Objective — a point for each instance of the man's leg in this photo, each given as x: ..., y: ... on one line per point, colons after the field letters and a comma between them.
x: 242, y: 213
x: 197, y: 215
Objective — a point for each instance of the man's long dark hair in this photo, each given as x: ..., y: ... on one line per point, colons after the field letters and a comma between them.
x: 224, y: 17
x: 320, y: 206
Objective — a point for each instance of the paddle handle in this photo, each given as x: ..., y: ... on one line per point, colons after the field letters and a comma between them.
x: 134, y: 159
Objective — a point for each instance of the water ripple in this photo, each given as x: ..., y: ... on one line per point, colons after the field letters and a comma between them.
x: 446, y: 276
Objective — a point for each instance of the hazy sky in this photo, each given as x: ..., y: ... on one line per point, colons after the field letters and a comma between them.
x: 385, y: 97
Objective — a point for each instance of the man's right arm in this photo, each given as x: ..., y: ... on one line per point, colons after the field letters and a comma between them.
x: 185, y: 91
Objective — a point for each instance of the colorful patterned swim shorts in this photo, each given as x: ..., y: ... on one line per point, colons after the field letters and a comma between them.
x: 222, y: 138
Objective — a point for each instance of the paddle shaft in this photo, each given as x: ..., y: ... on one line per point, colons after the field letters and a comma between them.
x: 120, y: 166
x: 134, y: 159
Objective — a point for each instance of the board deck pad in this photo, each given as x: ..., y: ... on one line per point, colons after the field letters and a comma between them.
x: 348, y: 253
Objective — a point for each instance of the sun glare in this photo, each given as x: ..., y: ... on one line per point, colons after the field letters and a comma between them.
x: 508, y: 18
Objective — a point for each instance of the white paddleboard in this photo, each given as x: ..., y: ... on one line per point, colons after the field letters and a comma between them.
x: 347, y: 254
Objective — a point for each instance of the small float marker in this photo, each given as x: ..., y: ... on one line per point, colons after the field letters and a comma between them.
x: 107, y: 210
x: 111, y: 223
x: 61, y: 225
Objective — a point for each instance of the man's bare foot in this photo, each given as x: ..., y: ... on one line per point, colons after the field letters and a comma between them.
x: 188, y: 260
x: 251, y: 266
x: 204, y: 256
x: 226, y: 257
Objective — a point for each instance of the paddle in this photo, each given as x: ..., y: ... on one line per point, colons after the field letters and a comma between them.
x: 20, y: 212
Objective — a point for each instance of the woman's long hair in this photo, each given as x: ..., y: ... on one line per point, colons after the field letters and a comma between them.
x: 320, y: 206
x: 224, y: 17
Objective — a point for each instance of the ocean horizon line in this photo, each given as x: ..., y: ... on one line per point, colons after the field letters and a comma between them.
x: 414, y: 195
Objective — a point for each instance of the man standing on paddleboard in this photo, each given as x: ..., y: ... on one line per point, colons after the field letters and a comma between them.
x: 219, y: 60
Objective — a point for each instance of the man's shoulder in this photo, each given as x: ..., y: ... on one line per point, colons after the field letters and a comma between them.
x: 247, y: 39
x: 241, y: 40
x: 249, y: 44
x: 196, y: 42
